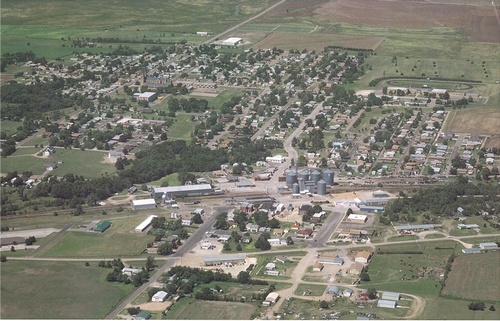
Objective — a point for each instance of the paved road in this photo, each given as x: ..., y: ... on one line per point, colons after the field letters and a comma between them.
x: 243, y: 23
x: 187, y: 246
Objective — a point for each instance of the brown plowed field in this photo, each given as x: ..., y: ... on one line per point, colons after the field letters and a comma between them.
x: 480, y: 22
x: 318, y: 41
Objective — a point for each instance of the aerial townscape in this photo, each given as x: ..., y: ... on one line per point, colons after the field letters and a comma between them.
x: 250, y: 159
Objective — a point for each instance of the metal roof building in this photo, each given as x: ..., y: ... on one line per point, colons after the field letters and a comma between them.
x: 220, y: 260
x: 333, y: 290
x: 471, y: 250
x: 371, y: 209
x: 143, y: 204
x: 189, y: 190
x: 488, y: 246
x: 417, y: 227
x: 141, y: 227
x: 392, y: 296
x: 103, y: 226
x: 386, y: 304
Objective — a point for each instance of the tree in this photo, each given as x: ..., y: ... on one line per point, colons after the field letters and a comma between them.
x: 87, y: 264
x: 165, y: 249
x: 196, y: 219
x: 238, y: 247
x: 3, y: 258
x: 323, y: 304
x: 150, y: 263
x: 289, y: 241
x: 226, y: 247
x: 133, y: 310
x: 364, y: 277
x: 243, y: 277
x: 349, y: 211
x: 492, y: 308
x: 372, y: 293
x: 12, y: 249
x: 475, y: 306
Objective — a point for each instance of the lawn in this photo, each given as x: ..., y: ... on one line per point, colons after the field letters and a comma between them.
x: 24, y: 163
x: 9, y: 127
x: 57, y: 290
x: 87, y: 163
x: 118, y: 241
x: 475, y: 277
x: 182, y: 127
x: 447, y: 309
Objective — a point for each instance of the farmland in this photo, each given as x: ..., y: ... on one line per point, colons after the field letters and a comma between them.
x: 475, y: 277
x: 482, y: 121
x: 42, y: 290
x: 191, y: 309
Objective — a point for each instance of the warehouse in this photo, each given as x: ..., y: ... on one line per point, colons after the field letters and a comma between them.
x: 488, y: 246
x: 386, y: 304
x: 417, y: 227
x: 233, y: 41
x: 371, y: 209
x: 160, y: 296
x: 357, y: 218
x: 144, y: 225
x: 186, y: 190
x: 392, y: 296
x: 143, y: 204
x: 209, y: 261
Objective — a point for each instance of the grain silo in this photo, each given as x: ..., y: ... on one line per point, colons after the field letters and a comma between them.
x: 321, y: 187
x: 328, y: 176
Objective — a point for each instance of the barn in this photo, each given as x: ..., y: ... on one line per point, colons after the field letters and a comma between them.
x: 103, y: 226
x: 144, y: 225
x: 160, y: 296
x: 391, y: 296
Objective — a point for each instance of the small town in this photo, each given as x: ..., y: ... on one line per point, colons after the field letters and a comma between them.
x: 218, y: 179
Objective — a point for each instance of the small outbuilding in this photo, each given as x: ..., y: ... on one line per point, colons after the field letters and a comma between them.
x: 272, y: 297
x: 103, y: 226
x: 333, y: 289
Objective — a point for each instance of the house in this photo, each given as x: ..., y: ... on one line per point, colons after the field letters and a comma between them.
x: 355, y: 269
x: 304, y: 209
x: 282, y: 259
x: 130, y: 271
x: 305, y: 233
x: 186, y: 222
x: 363, y: 257
x: 270, y: 266
x: 147, y: 96
x: 318, y: 267
x: 160, y: 296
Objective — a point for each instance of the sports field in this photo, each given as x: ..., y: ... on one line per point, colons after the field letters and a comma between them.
x: 480, y: 121
x: 475, y: 277
x: 57, y: 290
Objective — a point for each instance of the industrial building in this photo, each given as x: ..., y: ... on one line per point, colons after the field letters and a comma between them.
x: 488, y: 246
x: 233, y: 41
x: 144, y: 225
x: 143, y: 204
x: 209, y: 261
x: 186, y: 190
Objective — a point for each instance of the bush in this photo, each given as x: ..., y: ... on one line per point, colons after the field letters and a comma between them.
x: 475, y: 306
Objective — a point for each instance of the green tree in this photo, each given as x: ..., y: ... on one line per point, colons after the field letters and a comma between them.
x: 238, y: 247
x: 372, y: 293
x: 165, y: 249
x: 243, y: 277
x: 150, y: 263
x: 133, y: 310
x: 323, y: 304
x: 3, y: 258
x: 364, y: 277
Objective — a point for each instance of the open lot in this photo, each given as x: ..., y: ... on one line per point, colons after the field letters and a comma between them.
x: 57, y: 290
x: 482, y: 121
x: 475, y: 277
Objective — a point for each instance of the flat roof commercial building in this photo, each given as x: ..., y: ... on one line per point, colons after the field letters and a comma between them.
x: 209, y: 261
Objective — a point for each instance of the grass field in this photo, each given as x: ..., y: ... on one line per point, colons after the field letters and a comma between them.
x: 9, y: 127
x: 57, y: 290
x: 24, y: 163
x: 442, y: 308
x: 182, y: 127
x: 118, y: 241
x: 191, y: 309
x: 475, y: 277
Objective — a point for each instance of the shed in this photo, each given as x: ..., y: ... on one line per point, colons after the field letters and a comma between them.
x: 386, y: 304
x: 317, y: 267
x: 471, y: 250
x: 363, y: 257
x: 103, y: 226
x: 347, y: 293
x: 392, y: 296
x: 270, y: 266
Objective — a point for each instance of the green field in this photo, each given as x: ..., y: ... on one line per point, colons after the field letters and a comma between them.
x: 57, y: 290
x: 475, y: 277
x: 118, y: 241
x: 192, y: 309
x: 42, y: 26
x: 422, y: 271
x: 24, y: 163
x: 305, y: 289
x: 182, y: 128
x: 9, y: 127
x: 442, y: 308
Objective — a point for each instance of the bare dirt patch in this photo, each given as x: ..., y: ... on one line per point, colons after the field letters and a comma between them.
x: 290, y: 40
x: 476, y: 121
x: 155, y: 306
